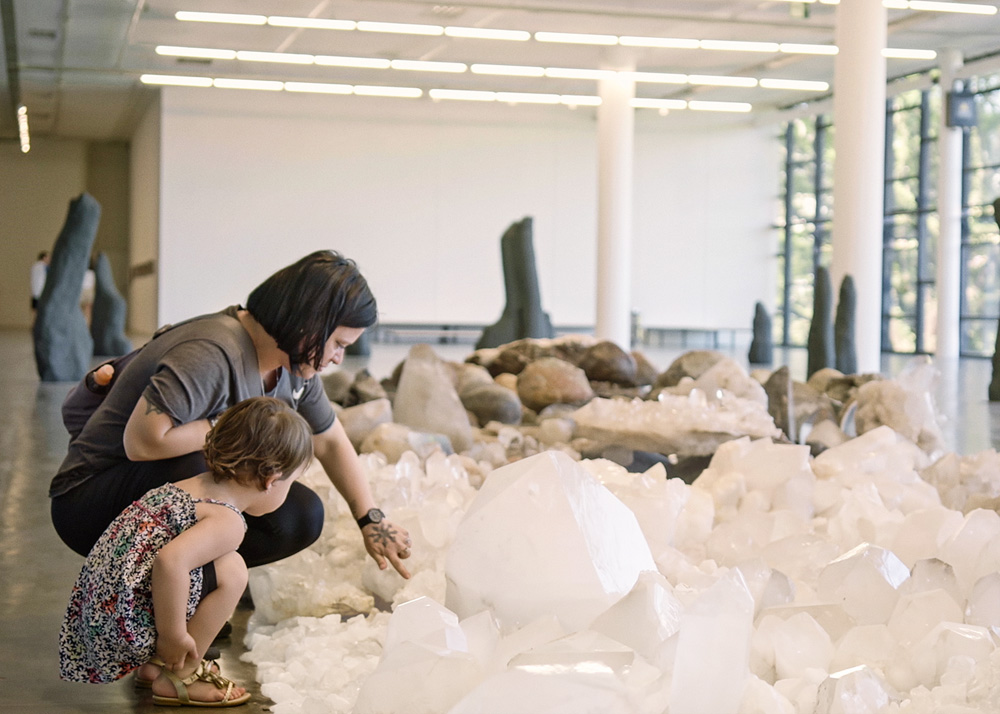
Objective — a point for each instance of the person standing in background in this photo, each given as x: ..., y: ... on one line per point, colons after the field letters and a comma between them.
x: 39, y: 270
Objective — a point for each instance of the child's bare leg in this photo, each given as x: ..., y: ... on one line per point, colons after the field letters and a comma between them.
x: 211, y: 614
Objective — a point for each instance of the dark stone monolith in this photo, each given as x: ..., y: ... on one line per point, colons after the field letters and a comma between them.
x: 522, y: 316
x: 843, y: 328
x: 762, y: 344
x: 820, y: 345
x: 107, y: 322
x: 63, y: 345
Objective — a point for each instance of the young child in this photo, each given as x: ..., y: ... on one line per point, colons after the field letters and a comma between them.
x: 144, y: 599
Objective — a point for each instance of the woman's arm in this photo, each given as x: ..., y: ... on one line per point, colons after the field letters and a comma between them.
x: 150, y: 434
x: 383, y: 540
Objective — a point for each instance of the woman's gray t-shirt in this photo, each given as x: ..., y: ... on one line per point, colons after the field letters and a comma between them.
x: 194, y: 370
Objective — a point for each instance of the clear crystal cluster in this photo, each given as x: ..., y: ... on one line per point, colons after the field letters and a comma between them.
x: 863, y: 580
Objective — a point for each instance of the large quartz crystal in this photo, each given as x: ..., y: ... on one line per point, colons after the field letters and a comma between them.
x: 544, y: 536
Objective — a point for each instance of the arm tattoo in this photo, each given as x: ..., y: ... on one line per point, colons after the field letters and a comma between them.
x: 152, y: 408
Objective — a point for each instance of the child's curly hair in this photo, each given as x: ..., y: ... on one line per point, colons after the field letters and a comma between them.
x: 255, y: 439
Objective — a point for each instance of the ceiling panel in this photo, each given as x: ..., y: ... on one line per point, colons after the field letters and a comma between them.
x: 80, y: 60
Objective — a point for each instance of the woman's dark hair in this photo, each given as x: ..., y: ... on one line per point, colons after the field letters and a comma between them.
x: 257, y: 438
x: 300, y: 306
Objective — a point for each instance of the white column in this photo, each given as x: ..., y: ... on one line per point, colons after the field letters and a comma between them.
x: 949, y: 252
x: 615, y: 138
x: 859, y: 142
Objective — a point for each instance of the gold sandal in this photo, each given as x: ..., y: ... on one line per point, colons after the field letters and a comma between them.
x: 143, y: 683
x: 202, y: 674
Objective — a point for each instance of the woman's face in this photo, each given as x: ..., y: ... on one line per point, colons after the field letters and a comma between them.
x: 333, y: 350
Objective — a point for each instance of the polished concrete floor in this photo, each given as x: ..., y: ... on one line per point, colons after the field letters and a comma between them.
x: 37, y: 570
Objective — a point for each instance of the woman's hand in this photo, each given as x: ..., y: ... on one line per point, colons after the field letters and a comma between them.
x: 387, y: 541
x: 176, y: 651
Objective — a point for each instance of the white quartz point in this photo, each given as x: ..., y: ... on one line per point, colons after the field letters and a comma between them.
x: 544, y: 536
x: 587, y: 688
x: 712, y: 660
x: 984, y: 602
x: 426, y: 621
x: 915, y: 615
x: 859, y: 690
x: 645, y: 618
x: 944, y: 644
x: 425, y: 667
x: 864, y: 580
x: 576, y: 650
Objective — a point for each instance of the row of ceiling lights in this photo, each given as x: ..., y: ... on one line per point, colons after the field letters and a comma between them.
x: 571, y: 100
x: 512, y: 70
x: 523, y: 35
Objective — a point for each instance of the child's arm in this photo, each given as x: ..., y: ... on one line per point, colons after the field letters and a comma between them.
x: 218, y: 533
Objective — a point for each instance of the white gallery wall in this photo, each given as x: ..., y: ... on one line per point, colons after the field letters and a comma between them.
x: 419, y: 193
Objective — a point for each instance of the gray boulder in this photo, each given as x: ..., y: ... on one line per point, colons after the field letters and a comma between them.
x: 607, y: 362
x: 492, y: 402
x: 552, y: 381
x: 691, y: 364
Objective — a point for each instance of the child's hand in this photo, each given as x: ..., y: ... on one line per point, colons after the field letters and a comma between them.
x: 387, y: 541
x: 175, y: 652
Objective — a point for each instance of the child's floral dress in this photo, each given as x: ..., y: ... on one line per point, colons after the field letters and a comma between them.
x: 108, y: 629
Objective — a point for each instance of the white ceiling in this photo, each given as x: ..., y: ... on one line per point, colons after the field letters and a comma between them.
x: 79, y: 61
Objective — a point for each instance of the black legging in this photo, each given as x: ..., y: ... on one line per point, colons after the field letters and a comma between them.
x: 81, y: 515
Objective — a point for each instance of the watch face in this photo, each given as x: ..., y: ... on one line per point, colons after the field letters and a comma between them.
x: 375, y: 515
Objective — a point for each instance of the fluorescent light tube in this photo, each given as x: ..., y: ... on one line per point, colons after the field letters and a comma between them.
x: 377, y: 91
x: 658, y: 77
x: 796, y: 48
x: 363, y: 62
x: 318, y: 88
x: 280, y: 57
x: 427, y: 66
x: 579, y: 100
x: 227, y: 17
x: 485, y: 33
x: 175, y: 79
x: 198, y: 52
x: 402, y: 28
x: 897, y: 53
x: 527, y: 98
x: 576, y: 38
x: 467, y: 95
x: 963, y: 7
x: 314, y: 23
x: 738, y: 45
x: 573, y: 73
x: 703, y: 106
x: 650, y: 103
x: 266, y: 85
x: 803, y: 84
x: 719, y: 81
x: 667, y: 42
x: 508, y: 70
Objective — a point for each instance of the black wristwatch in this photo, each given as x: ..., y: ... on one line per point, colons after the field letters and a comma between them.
x: 374, y: 515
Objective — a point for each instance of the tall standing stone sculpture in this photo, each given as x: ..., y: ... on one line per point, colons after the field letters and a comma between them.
x: 63, y: 345
x: 107, y: 324
x: 820, y: 345
x: 523, y: 315
x: 762, y: 344
x: 995, y: 382
x: 843, y: 327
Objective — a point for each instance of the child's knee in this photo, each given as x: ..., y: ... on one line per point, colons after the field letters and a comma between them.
x: 231, y: 572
